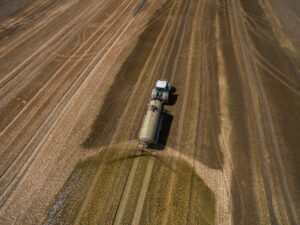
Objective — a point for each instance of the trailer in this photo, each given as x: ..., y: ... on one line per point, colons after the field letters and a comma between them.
x: 151, y: 126
x: 152, y: 123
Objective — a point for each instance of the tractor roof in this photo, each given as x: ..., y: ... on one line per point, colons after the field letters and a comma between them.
x: 161, y: 84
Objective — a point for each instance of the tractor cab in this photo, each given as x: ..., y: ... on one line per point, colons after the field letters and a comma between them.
x: 161, y: 91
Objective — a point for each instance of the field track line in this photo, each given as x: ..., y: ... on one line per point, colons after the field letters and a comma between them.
x: 254, y: 104
x: 107, y: 44
x: 30, y: 62
x: 73, y: 24
x: 188, y: 77
x: 268, y: 67
x: 224, y: 210
x: 262, y: 147
x: 34, y: 8
x: 148, y: 67
x: 288, y: 203
x: 125, y: 194
x: 281, y: 80
x: 45, y: 137
x: 172, y: 178
x: 260, y: 194
x: 191, y: 54
x: 99, y: 174
x: 171, y: 48
x: 271, y: 66
x: 82, y: 85
x: 143, y: 191
x: 99, y: 171
x: 202, y: 105
x: 129, y: 182
x: 33, y: 69
x: 175, y: 63
x: 62, y: 67
x: 29, y: 33
x: 17, y: 158
x: 192, y: 45
x: 95, y: 179
x: 132, y: 171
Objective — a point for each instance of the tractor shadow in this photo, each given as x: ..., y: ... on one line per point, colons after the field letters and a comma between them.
x: 172, y: 97
x: 164, y: 134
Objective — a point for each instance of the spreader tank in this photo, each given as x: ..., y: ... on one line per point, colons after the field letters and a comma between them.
x: 150, y: 129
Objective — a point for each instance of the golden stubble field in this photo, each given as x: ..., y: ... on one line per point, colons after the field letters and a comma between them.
x: 75, y: 80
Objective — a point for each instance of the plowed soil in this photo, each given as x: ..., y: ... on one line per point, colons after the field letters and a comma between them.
x: 75, y: 81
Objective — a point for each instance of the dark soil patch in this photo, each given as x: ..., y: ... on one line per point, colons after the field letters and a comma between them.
x: 118, y: 94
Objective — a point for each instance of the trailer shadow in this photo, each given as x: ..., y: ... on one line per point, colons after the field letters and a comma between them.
x: 164, y: 134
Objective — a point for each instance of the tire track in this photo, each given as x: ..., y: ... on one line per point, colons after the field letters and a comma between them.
x: 171, y: 79
x: 284, y: 188
x: 46, y: 51
x: 122, y: 205
x: 255, y: 107
x: 56, y: 73
x: 96, y: 178
x: 266, y: 173
x: 132, y: 98
x: 130, y: 180
x: 29, y: 33
x: 69, y: 61
x: 259, y: 190
x: 143, y: 191
x: 138, y: 211
x: 187, y: 141
x: 277, y: 74
x: 46, y: 100
x: 193, y: 47
x: 81, y: 84
x: 149, y: 77
x: 121, y: 208
x: 53, y: 41
x: 175, y: 64
x: 84, y: 83
x: 224, y: 200
x: 167, y: 62
x: 209, y: 176
x: 13, y: 24
x: 125, y: 195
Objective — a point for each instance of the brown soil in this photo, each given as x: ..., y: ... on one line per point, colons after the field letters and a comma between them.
x: 75, y: 80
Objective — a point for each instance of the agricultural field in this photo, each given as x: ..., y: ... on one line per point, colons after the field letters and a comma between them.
x: 76, y: 78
